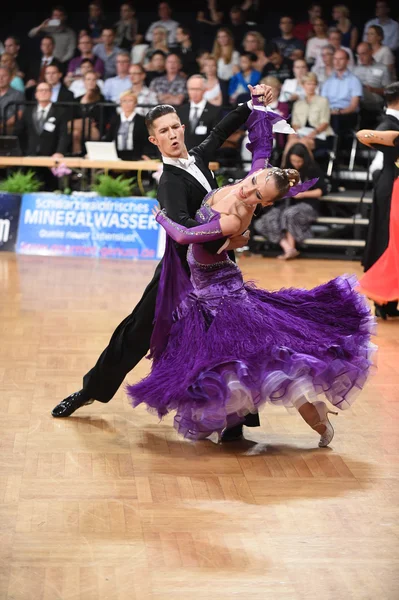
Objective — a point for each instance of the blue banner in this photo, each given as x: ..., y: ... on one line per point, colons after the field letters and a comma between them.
x: 59, y: 225
x: 10, y: 205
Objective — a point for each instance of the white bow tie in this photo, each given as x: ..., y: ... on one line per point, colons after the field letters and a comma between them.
x: 187, y: 162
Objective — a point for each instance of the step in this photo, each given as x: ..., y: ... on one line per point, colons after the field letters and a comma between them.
x: 341, y: 198
x: 321, y: 241
x: 347, y: 175
x: 343, y: 220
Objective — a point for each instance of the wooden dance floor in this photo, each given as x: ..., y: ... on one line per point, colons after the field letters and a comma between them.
x: 109, y: 504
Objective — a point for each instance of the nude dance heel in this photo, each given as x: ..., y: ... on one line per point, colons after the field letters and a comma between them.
x: 323, y: 411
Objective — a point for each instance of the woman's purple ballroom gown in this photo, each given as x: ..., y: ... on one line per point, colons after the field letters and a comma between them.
x: 222, y: 348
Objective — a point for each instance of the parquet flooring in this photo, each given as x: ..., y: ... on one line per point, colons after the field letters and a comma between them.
x: 109, y: 504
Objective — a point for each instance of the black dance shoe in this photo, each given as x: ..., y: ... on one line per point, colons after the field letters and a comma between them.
x: 68, y: 406
x: 383, y: 312
x: 233, y: 434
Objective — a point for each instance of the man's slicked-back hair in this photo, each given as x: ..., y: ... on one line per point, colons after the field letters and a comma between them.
x: 158, y: 111
x: 391, y: 93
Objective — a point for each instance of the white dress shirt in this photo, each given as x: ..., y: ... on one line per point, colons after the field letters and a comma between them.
x: 200, y: 109
x: 188, y: 164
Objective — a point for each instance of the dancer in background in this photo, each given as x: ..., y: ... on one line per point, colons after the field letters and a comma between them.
x: 381, y: 281
x: 222, y: 348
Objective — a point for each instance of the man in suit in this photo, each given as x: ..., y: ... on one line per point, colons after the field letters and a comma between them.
x: 198, y: 116
x: 183, y: 185
x: 378, y: 230
x: 59, y: 92
x: 127, y: 129
x: 43, y: 126
x: 38, y: 67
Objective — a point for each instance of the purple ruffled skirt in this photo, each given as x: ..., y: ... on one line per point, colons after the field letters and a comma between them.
x: 233, y: 347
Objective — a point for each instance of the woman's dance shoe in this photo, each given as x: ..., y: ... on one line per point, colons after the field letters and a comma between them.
x: 323, y: 411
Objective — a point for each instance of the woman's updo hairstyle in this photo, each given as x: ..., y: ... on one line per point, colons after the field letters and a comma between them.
x: 284, y: 180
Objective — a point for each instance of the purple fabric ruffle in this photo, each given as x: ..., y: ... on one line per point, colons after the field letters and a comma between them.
x: 228, y: 355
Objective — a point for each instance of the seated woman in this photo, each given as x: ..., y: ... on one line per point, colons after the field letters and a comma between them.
x: 213, y: 93
x: 87, y: 115
x: 222, y: 348
x: 310, y: 119
x: 292, y: 89
x: 17, y: 83
x: 288, y: 222
x: 127, y: 129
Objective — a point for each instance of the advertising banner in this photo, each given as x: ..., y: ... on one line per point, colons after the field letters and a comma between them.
x: 78, y: 225
x: 10, y: 205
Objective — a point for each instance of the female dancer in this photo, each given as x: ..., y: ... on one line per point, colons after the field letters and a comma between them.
x: 229, y: 347
x: 381, y: 281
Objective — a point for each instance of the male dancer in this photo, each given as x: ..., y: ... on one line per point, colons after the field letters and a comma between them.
x: 184, y: 183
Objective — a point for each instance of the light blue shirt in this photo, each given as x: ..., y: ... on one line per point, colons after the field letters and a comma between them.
x: 109, y: 60
x: 55, y: 91
x: 339, y: 91
x: 114, y: 86
x: 390, y: 29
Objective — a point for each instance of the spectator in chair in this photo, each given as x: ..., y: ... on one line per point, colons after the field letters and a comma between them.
x: 292, y: 89
x: 64, y: 37
x: 12, y: 46
x: 78, y: 87
x: 38, y: 67
x: 107, y: 51
x: 186, y: 51
x: 171, y: 88
x: 9, y: 100
x: 389, y: 26
x: 159, y: 42
x: 335, y: 40
x: 288, y: 222
x: 310, y: 118
x: 87, y: 115
x: 44, y: 125
x: 381, y: 53
x: 127, y: 28
x: 165, y: 20
x: 114, y: 86
x: 350, y: 33
x: 290, y: 46
x: 374, y: 77
x: 85, y: 46
x: 213, y: 91
x: 144, y: 95
x: 127, y: 129
x: 198, y: 116
x: 59, y: 92
x: 344, y: 91
x: 156, y: 67
x: 227, y: 57
x: 306, y: 29
x: 254, y: 42
x: 277, y: 65
x: 237, y: 25
x: 316, y: 43
x: 326, y: 69
x: 238, y: 86
x: 17, y: 83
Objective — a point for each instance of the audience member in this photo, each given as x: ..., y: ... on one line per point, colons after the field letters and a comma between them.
x: 381, y: 53
x: 344, y: 91
x: 64, y: 37
x: 127, y: 28
x: 335, y: 40
x: 326, y: 68
x: 310, y: 118
x: 305, y: 30
x: 59, y: 92
x: 12, y: 46
x: 288, y: 222
x: 292, y: 89
x: 164, y: 13
x: 237, y: 25
x: 38, y: 67
x: 10, y: 102
x: 43, y: 127
x: 95, y: 22
x: 17, y: 83
x: 198, y: 115
x: 144, y: 95
x: 156, y: 67
x: 254, y: 42
x: 159, y: 42
x: 238, y: 86
x: 170, y: 88
x: 186, y: 51
x: 290, y: 46
x: 350, y: 33
x: 228, y: 59
x: 87, y: 114
x: 315, y: 44
x: 107, y: 51
x: 85, y: 47
x: 114, y: 86
x: 277, y: 65
x: 78, y: 87
x: 127, y: 129
x: 388, y: 25
x: 374, y: 77
x: 213, y: 91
